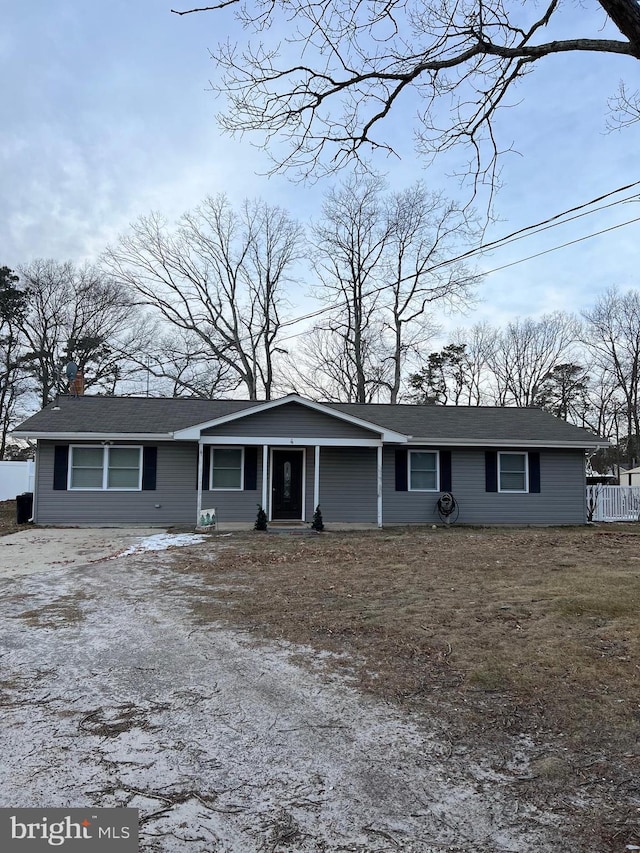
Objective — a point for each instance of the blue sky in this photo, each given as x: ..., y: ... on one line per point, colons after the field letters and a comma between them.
x: 108, y: 115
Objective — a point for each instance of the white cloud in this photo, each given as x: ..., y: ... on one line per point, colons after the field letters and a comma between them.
x: 110, y: 117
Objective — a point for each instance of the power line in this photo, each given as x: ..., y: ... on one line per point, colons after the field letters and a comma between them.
x: 543, y: 225
x: 479, y: 275
x: 562, y: 246
x: 527, y: 231
x: 555, y: 217
x: 505, y: 241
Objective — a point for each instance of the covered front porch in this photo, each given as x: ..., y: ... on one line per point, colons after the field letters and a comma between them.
x: 289, y: 478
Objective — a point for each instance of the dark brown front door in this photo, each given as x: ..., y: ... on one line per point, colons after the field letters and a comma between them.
x: 286, y: 484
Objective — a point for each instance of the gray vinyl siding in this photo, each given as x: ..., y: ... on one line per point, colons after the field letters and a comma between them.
x: 175, y: 492
x: 560, y: 501
x: 291, y: 421
x: 235, y: 504
x: 348, y: 478
x: 347, y: 492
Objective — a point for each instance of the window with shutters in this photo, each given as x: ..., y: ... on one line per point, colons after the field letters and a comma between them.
x: 105, y: 468
x: 227, y: 468
x: 423, y: 471
x: 513, y: 472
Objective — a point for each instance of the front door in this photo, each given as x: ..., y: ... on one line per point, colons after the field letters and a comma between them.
x: 286, y: 484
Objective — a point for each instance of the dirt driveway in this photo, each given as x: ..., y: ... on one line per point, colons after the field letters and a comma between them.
x: 112, y: 694
x: 43, y: 548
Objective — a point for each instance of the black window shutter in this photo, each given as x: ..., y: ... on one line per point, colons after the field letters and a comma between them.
x: 491, y: 471
x: 445, y: 470
x: 402, y: 484
x: 60, y: 467
x: 149, y: 468
x: 206, y: 468
x: 534, y: 472
x: 250, y: 469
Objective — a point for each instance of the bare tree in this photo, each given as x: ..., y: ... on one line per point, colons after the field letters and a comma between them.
x: 179, y: 365
x: 350, y: 243
x: 383, y: 260
x: 612, y: 336
x: 479, y: 344
x: 322, y: 367
x: 526, y: 351
x: 12, y: 385
x: 333, y: 84
x: 74, y: 313
x: 219, y: 277
x: 425, y: 231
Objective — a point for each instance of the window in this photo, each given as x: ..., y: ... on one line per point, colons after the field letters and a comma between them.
x: 123, y: 468
x: 117, y: 468
x: 226, y: 467
x: 513, y: 474
x: 423, y: 471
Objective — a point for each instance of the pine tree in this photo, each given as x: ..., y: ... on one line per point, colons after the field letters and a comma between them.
x: 317, y: 523
x: 261, y: 520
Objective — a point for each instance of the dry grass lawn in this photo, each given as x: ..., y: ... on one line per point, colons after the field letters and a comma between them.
x: 8, y: 518
x: 493, y: 632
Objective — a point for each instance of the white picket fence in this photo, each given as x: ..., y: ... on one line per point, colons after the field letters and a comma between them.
x: 614, y: 503
x: 16, y: 478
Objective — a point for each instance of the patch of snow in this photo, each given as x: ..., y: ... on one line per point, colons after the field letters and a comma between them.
x: 162, y: 541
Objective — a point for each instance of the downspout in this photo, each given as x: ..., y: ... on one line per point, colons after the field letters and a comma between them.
x: 36, y: 467
x: 200, y: 470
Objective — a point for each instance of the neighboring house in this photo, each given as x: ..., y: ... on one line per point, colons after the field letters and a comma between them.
x: 162, y: 461
x: 629, y: 476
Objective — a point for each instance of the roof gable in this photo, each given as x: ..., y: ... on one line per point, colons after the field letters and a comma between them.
x: 194, y: 432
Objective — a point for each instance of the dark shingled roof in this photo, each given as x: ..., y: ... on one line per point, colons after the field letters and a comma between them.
x: 149, y: 415
x: 470, y: 423
x: 129, y: 414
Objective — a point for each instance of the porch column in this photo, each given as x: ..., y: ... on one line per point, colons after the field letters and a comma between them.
x: 265, y: 470
x: 316, y: 477
x: 379, y: 485
x: 200, y: 466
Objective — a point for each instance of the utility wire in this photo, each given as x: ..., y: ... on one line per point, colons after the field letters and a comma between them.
x: 529, y: 230
x: 543, y: 225
x: 479, y: 275
x: 505, y: 241
x: 553, y: 219
x: 562, y: 246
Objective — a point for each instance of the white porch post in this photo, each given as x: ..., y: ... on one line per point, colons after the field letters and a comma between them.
x: 379, y: 482
x: 200, y: 467
x: 316, y: 477
x: 265, y: 484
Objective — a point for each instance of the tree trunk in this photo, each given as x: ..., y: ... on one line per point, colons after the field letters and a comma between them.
x: 626, y: 16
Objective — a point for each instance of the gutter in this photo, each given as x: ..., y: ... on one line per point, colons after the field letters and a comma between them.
x: 97, y: 436
x: 492, y: 442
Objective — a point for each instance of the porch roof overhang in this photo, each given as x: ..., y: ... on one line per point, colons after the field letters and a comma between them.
x: 194, y: 433
x: 294, y: 441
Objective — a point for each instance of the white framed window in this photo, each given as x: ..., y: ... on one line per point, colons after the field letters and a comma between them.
x: 513, y: 472
x: 424, y: 470
x: 105, y: 468
x: 227, y: 468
